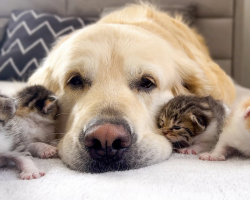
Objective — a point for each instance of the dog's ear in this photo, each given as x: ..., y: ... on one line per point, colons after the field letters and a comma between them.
x: 198, y: 121
x: 46, y: 74
x: 43, y: 77
x: 192, y: 79
x: 49, y: 103
x: 204, y: 79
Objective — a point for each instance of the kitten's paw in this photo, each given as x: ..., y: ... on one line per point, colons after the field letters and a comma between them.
x: 49, y: 152
x: 211, y: 157
x: 31, y: 175
x: 187, y: 151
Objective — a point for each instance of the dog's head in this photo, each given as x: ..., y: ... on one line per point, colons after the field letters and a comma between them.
x: 111, y: 80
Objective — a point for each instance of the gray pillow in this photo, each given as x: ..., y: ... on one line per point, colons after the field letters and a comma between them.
x: 29, y: 37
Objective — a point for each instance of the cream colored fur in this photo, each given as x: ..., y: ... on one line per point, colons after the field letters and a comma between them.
x: 121, y: 47
x: 235, y: 135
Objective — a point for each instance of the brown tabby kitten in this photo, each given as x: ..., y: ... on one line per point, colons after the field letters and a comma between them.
x: 192, y: 123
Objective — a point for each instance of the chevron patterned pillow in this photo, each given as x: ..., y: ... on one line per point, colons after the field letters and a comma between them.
x: 29, y: 37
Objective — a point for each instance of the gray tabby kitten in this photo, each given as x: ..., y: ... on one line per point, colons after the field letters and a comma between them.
x: 27, y: 128
x: 193, y: 124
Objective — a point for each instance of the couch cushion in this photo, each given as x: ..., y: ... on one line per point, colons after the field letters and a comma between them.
x: 188, y: 12
x: 225, y: 64
x: 3, y: 24
x: 219, y: 36
x: 205, y: 8
x: 49, y: 6
x: 30, y: 35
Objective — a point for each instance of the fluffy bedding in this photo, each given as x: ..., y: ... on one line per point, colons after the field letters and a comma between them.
x: 179, y: 177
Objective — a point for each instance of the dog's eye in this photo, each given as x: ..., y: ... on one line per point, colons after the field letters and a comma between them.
x: 147, y: 84
x: 76, y: 81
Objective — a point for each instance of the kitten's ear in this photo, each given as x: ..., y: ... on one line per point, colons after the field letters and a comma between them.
x: 9, y: 105
x: 227, y: 110
x: 49, y: 102
x: 247, y: 112
x: 199, y: 121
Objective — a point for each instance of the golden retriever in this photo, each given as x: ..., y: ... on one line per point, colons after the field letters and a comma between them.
x: 112, y: 77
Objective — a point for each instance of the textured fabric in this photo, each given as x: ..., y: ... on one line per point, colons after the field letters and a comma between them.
x: 3, y: 25
x: 218, y: 34
x: 87, y: 8
x: 30, y: 35
x: 188, y: 12
x: 205, y: 8
x: 51, y: 6
x: 10, y: 88
x: 181, y: 177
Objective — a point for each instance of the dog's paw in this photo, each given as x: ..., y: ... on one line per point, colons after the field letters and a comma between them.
x: 211, y: 157
x: 187, y: 151
x: 49, y: 152
x: 31, y: 175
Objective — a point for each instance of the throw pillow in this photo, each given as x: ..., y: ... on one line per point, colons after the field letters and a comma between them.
x: 29, y: 37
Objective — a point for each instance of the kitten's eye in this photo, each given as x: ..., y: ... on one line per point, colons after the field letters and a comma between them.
x: 200, y: 121
x: 161, y: 122
x: 146, y: 84
x: 176, y: 127
x: 51, y: 98
x: 76, y: 81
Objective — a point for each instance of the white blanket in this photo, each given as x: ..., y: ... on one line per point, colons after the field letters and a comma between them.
x: 179, y: 177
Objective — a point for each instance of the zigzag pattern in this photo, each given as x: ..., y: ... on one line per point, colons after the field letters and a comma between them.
x: 44, y: 24
x: 25, y: 50
x: 31, y: 40
x: 13, y: 64
x: 36, y: 16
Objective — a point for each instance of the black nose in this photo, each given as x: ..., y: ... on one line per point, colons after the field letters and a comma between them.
x: 107, y: 142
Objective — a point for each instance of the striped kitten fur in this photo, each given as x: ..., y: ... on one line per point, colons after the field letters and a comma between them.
x: 193, y: 124
x: 27, y: 128
x: 7, y: 108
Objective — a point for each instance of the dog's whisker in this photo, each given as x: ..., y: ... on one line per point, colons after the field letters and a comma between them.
x: 62, y: 114
x: 60, y: 132
x: 56, y: 134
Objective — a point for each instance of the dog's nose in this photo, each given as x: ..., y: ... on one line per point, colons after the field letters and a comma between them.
x: 107, y: 141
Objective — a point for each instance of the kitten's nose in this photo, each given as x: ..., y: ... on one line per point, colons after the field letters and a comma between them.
x: 166, y: 131
x: 108, y: 141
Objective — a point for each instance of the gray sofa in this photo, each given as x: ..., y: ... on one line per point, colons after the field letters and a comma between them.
x: 219, y: 21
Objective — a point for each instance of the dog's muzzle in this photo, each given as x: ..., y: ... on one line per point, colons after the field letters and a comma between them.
x: 107, y: 140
